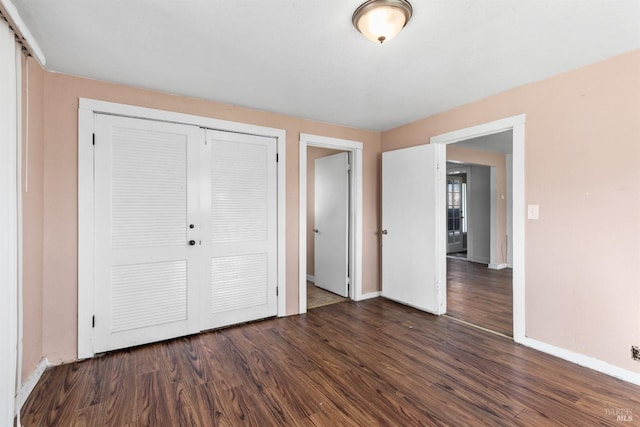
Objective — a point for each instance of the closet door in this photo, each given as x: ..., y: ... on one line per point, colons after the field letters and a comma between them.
x: 146, y: 197
x: 240, y: 234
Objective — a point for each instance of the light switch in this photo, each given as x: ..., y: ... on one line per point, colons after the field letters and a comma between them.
x: 533, y: 211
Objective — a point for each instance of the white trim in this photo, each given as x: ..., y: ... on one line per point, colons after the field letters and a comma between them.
x: 369, y: 295
x: 23, y: 31
x: 311, y: 278
x: 493, y: 213
x: 440, y: 235
x: 86, y: 113
x: 496, y: 266
x: 477, y: 260
x: 281, y: 136
x: 9, y: 221
x: 582, y: 360
x: 20, y: 306
x: 355, y: 263
x: 517, y: 124
x: 86, y: 296
x: 29, y: 384
x: 479, y: 130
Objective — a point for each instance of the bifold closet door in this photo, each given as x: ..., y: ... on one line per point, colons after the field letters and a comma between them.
x: 240, y: 233
x: 147, y: 194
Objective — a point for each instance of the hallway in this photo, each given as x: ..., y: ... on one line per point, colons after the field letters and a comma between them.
x: 478, y: 295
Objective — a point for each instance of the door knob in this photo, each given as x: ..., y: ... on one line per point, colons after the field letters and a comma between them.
x: 192, y: 226
x: 315, y: 230
x: 385, y: 232
x: 192, y: 242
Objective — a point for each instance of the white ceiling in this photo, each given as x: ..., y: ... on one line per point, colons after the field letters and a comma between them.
x: 497, y: 142
x: 304, y: 58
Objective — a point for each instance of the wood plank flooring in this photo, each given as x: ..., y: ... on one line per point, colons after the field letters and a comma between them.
x: 369, y: 363
x: 480, y: 296
x: 318, y: 297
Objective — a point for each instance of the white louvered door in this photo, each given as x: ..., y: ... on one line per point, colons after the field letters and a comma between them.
x: 240, y: 235
x: 185, y: 230
x: 147, y: 192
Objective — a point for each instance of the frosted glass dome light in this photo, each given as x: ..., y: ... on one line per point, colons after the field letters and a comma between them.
x: 382, y: 20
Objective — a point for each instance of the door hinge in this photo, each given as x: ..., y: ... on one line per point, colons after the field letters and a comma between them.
x: 93, y: 321
x: 348, y: 167
x: 276, y: 291
x: 277, y: 157
x: 94, y: 139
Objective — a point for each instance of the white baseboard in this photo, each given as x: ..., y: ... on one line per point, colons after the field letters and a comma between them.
x: 369, y: 295
x: 29, y: 384
x: 582, y: 360
x: 495, y: 266
x: 311, y: 278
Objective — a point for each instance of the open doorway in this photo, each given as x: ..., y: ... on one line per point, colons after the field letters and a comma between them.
x: 479, y: 284
x: 457, y: 210
x: 328, y: 249
x: 354, y: 265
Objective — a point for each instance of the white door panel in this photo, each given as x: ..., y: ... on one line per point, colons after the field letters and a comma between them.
x: 240, y: 233
x: 185, y: 230
x: 413, y: 266
x: 331, y: 247
x: 146, y: 194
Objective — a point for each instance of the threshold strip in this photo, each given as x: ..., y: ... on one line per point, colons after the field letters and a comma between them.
x: 478, y: 327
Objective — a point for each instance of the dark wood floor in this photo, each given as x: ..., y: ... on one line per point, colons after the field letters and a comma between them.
x: 369, y: 363
x: 480, y: 296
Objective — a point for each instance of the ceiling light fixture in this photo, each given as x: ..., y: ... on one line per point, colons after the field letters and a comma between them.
x: 382, y: 20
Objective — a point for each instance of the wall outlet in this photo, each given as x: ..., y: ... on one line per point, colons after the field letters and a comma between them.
x: 635, y: 352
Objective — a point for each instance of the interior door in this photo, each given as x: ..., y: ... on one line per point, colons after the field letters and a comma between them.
x: 413, y: 239
x: 239, y: 229
x: 455, y: 213
x: 331, y: 247
x: 146, y: 195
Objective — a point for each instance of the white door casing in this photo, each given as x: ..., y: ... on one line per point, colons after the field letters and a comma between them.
x: 239, y: 232
x: 517, y: 125
x: 356, y: 214
x: 455, y: 204
x: 331, y: 229
x: 146, y: 194
x: 87, y: 260
x: 413, y: 250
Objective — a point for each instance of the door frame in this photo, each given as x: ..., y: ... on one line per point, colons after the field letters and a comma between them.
x: 87, y: 109
x: 517, y: 125
x: 355, y: 214
x: 463, y: 201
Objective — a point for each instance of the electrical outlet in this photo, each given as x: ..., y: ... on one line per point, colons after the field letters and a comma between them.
x: 635, y: 352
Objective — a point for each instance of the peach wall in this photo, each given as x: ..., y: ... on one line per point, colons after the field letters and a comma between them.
x: 60, y: 191
x: 582, y: 156
x: 313, y: 153
x: 497, y: 160
x: 32, y: 214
